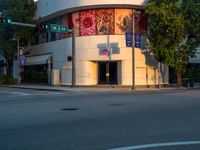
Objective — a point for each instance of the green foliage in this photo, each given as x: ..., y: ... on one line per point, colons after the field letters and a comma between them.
x: 19, y: 11
x: 11, y: 81
x: 174, y: 31
x: 4, y: 80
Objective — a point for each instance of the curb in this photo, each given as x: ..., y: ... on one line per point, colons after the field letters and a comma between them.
x: 32, y: 88
x: 97, y: 90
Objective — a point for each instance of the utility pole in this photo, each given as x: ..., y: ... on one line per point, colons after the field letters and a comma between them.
x: 133, y: 54
x: 73, y: 58
x: 15, y: 38
x: 18, y: 65
x: 133, y: 51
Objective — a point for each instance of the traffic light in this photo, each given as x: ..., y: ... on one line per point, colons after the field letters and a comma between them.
x: 46, y: 26
x: 43, y: 26
x: 4, y: 20
x: 9, y: 21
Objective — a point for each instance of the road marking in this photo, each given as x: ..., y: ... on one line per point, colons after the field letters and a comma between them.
x: 16, y: 93
x: 145, y: 146
x: 20, y: 93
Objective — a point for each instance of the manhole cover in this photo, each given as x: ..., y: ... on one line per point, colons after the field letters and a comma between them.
x: 117, y: 104
x: 69, y: 109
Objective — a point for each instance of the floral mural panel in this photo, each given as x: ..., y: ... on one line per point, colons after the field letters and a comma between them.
x: 64, y: 22
x: 105, y: 21
x: 76, y: 22
x: 123, y: 21
x: 140, y: 23
x: 87, y: 23
x: 70, y: 23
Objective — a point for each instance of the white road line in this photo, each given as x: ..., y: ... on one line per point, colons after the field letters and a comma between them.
x: 145, y: 146
x: 16, y: 93
x: 3, y: 91
x: 20, y: 93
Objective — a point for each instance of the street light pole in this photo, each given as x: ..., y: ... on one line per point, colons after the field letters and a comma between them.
x: 15, y: 38
x: 73, y: 58
x: 133, y: 54
x: 18, y: 67
x: 133, y: 51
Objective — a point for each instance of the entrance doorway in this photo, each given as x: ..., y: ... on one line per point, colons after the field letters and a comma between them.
x: 108, y: 72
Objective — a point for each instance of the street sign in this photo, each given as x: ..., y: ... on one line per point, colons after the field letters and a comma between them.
x: 138, y: 40
x: 22, y: 60
x: 105, y: 52
x: 59, y: 28
x: 129, y: 39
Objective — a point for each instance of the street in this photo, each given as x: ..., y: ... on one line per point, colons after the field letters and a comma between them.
x: 59, y: 120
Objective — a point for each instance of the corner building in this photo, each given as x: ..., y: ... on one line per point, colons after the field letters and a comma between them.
x: 101, y: 53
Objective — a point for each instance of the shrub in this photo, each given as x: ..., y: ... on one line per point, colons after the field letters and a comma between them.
x: 5, y: 80
x: 11, y: 81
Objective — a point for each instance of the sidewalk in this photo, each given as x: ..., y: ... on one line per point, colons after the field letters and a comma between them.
x: 91, y: 89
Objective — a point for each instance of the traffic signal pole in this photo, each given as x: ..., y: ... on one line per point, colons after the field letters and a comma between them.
x: 23, y: 24
x: 5, y: 20
x: 55, y: 29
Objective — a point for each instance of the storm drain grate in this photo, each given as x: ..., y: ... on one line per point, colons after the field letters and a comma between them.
x: 69, y: 109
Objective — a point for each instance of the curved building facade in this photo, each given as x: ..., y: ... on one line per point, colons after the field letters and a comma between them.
x: 102, y: 55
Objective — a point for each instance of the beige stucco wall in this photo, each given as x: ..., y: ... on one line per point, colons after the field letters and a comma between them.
x: 87, y: 56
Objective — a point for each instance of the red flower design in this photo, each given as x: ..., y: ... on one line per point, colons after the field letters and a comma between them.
x: 87, y: 22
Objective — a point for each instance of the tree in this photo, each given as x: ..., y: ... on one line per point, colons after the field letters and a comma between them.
x: 18, y: 11
x: 174, y: 33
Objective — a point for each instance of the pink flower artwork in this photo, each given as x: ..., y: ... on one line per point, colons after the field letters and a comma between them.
x: 87, y: 23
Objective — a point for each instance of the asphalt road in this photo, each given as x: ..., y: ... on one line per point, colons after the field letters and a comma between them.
x: 47, y: 120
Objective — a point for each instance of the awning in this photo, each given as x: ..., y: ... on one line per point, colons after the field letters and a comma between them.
x: 37, y: 60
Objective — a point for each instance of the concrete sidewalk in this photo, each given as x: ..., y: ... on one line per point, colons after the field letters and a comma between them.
x: 91, y: 89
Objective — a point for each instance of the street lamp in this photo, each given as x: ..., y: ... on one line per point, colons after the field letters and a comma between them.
x: 73, y: 58
x: 133, y: 50
x: 15, y: 38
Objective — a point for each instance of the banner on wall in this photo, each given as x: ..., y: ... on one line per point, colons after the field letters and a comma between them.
x: 123, y: 21
x: 105, y: 21
x: 105, y: 52
x: 87, y: 23
x: 141, y: 23
x: 64, y: 21
x: 76, y: 22
x: 129, y: 39
x: 138, y: 40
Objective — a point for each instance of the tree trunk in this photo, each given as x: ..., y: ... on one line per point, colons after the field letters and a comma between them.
x: 179, y: 79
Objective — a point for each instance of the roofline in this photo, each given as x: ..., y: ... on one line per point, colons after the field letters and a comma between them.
x: 74, y: 9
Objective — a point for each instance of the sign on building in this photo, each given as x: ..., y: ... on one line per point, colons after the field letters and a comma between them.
x: 105, y: 52
x: 22, y: 60
x: 138, y: 40
x: 129, y: 39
